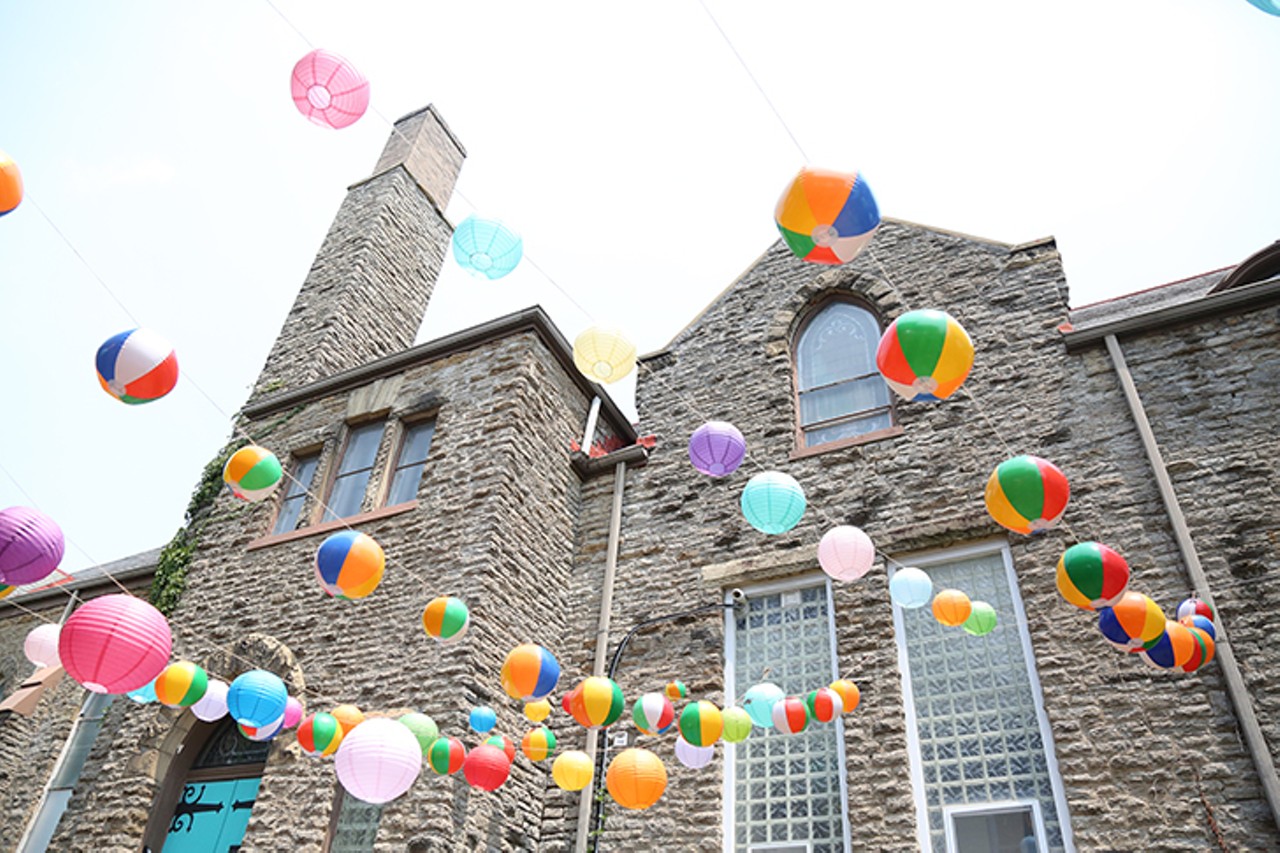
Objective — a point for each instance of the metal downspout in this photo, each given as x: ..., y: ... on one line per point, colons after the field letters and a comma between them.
x: 1236, y: 689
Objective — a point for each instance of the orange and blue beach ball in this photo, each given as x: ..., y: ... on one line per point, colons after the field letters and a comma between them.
x: 350, y: 564
x: 137, y: 366
x: 10, y: 184
x: 530, y: 672
x: 827, y: 217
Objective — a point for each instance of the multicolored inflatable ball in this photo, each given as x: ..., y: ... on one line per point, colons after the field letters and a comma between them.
x: 446, y: 619
x: 1173, y: 648
x: 503, y: 743
x: 530, y: 672
x: 850, y: 695
x: 981, y: 621
x: 951, y: 607
x: 824, y: 704
x: 349, y: 565
x: 596, y: 702
x: 137, y: 366
x: 653, y: 713
x: 538, y: 744
x: 1091, y: 575
x: 827, y: 217
x: 446, y: 755
x: 925, y: 355
x: 1195, y: 607
x: 1132, y: 623
x: 790, y: 715
x: 1195, y: 620
x: 717, y: 448
x: 10, y: 184
x: 252, y: 473
x: 262, y: 733
x: 320, y: 734
x: 701, y: 723
x: 1027, y: 494
x: 676, y: 690
x: 1203, y: 653
x: 181, y: 684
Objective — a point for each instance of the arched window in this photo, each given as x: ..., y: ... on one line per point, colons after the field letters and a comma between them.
x: 842, y: 395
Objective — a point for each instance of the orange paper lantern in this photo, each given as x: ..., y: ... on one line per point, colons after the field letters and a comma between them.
x: 636, y: 778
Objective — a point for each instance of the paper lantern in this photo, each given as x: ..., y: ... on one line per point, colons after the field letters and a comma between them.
x: 1091, y: 575
x: 1195, y: 620
x: 572, y: 770
x: 181, y: 684
x: 596, y: 702
x: 924, y: 355
x: 421, y: 727
x: 349, y: 565
x: 981, y: 621
x: 1027, y: 494
x: 486, y: 248
x: 772, y: 502
x: 114, y: 644
x: 850, y: 696
x: 1173, y: 648
x: 693, y: 757
x: 292, y: 712
x: 378, y: 760
x: 10, y: 184
x: 538, y: 744
x: 537, y: 711
x: 257, y: 698
x: 790, y: 715
x: 1271, y: 7
x: 529, y: 672
x: 636, y: 778
x: 31, y: 545
x: 653, y: 713
x: 604, y: 355
x: 446, y: 619
x: 701, y: 723
x: 676, y: 690
x: 827, y: 217
x: 951, y: 607
x: 445, y: 755
x: 41, y: 645
x: 503, y: 743
x: 486, y: 767
x: 737, y: 724
x: 213, y: 704
x: 823, y: 704
x: 1195, y: 607
x: 1132, y: 622
x: 146, y: 694
x: 328, y: 89
x: 482, y: 719
x: 846, y: 553
x: 1205, y: 646
x: 759, y: 701
x: 349, y: 716
x: 320, y: 734
x: 252, y: 473
x: 910, y: 588
x: 265, y: 733
x: 717, y: 448
x: 137, y: 366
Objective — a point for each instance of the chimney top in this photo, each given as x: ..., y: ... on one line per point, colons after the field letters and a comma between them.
x: 427, y: 149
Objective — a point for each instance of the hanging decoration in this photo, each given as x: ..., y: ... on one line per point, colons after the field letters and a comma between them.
x: 693, y: 757
x: 181, y: 684
x: 773, y: 502
x: 530, y: 672
x: 1172, y: 649
x: 737, y: 724
x: 503, y: 743
x: 537, y: 711
x: 486, y: 248
x: 759, y: 701
x: 213, y: 704
x: 349, y: 716
x: 701, y: 723
x: 145, y: 695
x: 951, y: 607
x: 482, y: 719
x: 256, y: 698
x: 10, y: 184
x: 378, y: 761
x: 636, y: 778
x: 115, y: 643
x: 981, y: 621
x: 925, y: 355
x: 850, y: 696
x: 41, y: 645
x: 717, y: 448
x: 1271, y: 7
x: 31, y: 545
x: 252, y: 473
x: 538, y: 744
x: 421, y: 727
x: 1204, y: 650
x: 350, y: 565
x: 1027, y: 494
x: 445, y: 755
x: 292, y: 712
x: 262, y: 733
x: 1194, y: 607
x: 328, y: 89
x: 6, y: 589
x: 910, y: 588
x: 1195, y: 620
x: 1091, y: 575
x: 1132, y: 622
x: 824, y: 704
x: 676, y: 690
x: 653, y: 713
x: 320, y: 734
x: 572, y: 770
x: 604, y: 355
x: 486, y: 767
x: 137, y: 366
x: 827, y: 217
x: 790, y: 715
x: 596, y: 702
x: 446, y: 619
x: 846, y: 553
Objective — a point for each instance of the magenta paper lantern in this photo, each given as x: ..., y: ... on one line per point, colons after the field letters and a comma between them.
x: 694, y: 757
x: 378, y: 760
x: 41, y: 645
x: 31, y: 545
x: 846, y: 553
x: 717, y: 448
x: 292, y: 712
x: 115, y: 644
x: 328, y: 90
x: 213, y: 704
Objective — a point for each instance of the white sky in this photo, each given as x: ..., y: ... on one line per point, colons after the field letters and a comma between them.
x: 624, y: 141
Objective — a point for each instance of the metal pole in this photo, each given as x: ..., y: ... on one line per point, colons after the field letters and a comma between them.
x: 590, y: 431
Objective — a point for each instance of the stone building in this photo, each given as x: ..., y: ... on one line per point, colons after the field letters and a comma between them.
x: 460, y: 456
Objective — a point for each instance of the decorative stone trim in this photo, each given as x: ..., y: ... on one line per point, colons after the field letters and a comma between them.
x: 329, y: 526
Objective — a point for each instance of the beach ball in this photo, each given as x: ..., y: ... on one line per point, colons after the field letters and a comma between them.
x: 636, y: 778
x: 981, y: 621
x: 846, y: 553
x: 378, y: 761
x: 349, y: 716
x: 10, y: 184
x: 790, y: 715
x: 850, y: 696
x: 181, y: 684
x: 257, y: 698
x: 538, y: 744
x: 676, y: 690
x: 349, y: 564
x: 6, y: 589
x: 486, y: 248
x: 910, y: 588
x: 572, y: 770
x: 653, y: 713
x: 1195, y: 620
x: 693, y: 757
x: 1173, y: 648
x: 824, y: 704
x: 446, y: 619
x: 1205, y: 646
x: 252, y: 473
x: 31, y: 545
x: 320, y: 734
x: 1091, y: 575
x: 827, y: 217
x: 486, y: 767
x: 421, y: 727
x: 1027, y: 494
x: 759, y: 701
x: 445, y: 755
x: 482, y: 719
x: 292, y: 712
x: 737, y: 724
x: 717, y: 448
x: 137, y: 366
x: 951, y: 607
x: 537, y: 711
x: 598, y: 702
x: 262, y: 734
x: 115, y: 643
x: 213, y: 704
x: 1268, y: 6
x: 924, y: 355
x: 1195, y: 607
x: 701, y: 723
x: 328, y: 90
x: 503, y: 743
x: 146, y: 694
x: 772, y: 502
x: 41, y: 645
x: 604, y: 355
x: 1132, y: 622
x: 530, y: 672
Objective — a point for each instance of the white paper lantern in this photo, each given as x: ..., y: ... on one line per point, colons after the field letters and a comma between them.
x: 378, y: 760
x: 213, y: 705
x: 910, y: 588
x: 846, y: 553
x: 41, y: 645
x: 694, y: 757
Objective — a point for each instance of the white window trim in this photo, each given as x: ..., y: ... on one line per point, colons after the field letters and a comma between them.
x: 923, y: 559
x: 731, y: 691
x: 1037, y: 818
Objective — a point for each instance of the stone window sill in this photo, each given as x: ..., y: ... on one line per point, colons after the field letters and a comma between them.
x: 866, y: 438
x: 330, y: 526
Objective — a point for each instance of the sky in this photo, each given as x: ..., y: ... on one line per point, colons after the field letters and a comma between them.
x: 171, y: 183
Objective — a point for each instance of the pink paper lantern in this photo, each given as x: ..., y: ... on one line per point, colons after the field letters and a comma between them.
x: 41, y: 645
x: 378, y: 760
x: 115, y: 644
x: 31, y: 545
x: 292, y: 712
x: 846, y: 553
x: 328, y: 90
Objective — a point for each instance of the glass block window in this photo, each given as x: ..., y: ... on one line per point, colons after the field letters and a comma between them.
x: 786, y: 790
x: 349, y: 483
x: 414, y: 448
x: 979, y: 738
x: 297, y: 484
x: 355, y: 828
x: 842, y: 395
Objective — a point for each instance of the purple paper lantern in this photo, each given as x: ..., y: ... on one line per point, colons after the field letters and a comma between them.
x: 31, y: 545
x: 717, y: 448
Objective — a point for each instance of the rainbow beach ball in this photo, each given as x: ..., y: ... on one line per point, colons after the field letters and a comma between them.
x: 653, y: 713
x: 446, y: 619
x: 1133, y: 623
x: 827, y: 217
x: 1027, y: 494
x: 10, y: 184
x: 925, y: 355
x: 252, y: 473
x: 181, y: 684
x: 530, y: 672
x: 1091, y: 575
x: 445, y: 755
x: 137, y: 366
x: 701, y: 723
x: 537, y: 744
x: 349, y: 564
x: 320, y: 734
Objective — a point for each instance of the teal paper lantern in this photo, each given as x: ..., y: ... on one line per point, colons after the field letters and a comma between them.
x: 773, y: 502
x: 1268, y: 6
x: 486, y: 248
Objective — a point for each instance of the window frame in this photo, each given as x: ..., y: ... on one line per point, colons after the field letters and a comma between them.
x: 998, y: 807
x: 335, y: 814
x: 334, y: 475
x: 305, y: 518
x: 393, y: 466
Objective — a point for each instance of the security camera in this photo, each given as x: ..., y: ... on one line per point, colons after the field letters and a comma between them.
x: 736, y: 595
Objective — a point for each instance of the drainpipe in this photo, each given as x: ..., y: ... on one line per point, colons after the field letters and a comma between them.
x: 1245, y: 715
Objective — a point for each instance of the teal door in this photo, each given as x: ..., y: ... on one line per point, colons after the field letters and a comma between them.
x: 212, y: 816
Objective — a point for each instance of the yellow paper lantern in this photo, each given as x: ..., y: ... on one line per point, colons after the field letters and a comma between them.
x: 636, y: 778
x: 572, y: 770
x: 604, y: 355
x: 537, y: 711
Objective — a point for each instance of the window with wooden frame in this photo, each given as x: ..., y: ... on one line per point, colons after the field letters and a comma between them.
x: 840, y: 393
x: 406, y: 475
x: 297, y: 485
x: 351, y: 475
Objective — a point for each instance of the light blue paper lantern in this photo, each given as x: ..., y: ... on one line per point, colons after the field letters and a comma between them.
x: 483, y: 719
x: 759, y: 702
x: 486, y: 247
x: 257, y: 698
x: 773, y: 502
x: 144, y: 695
x: 910, y: 588
x: 1268, y: 6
